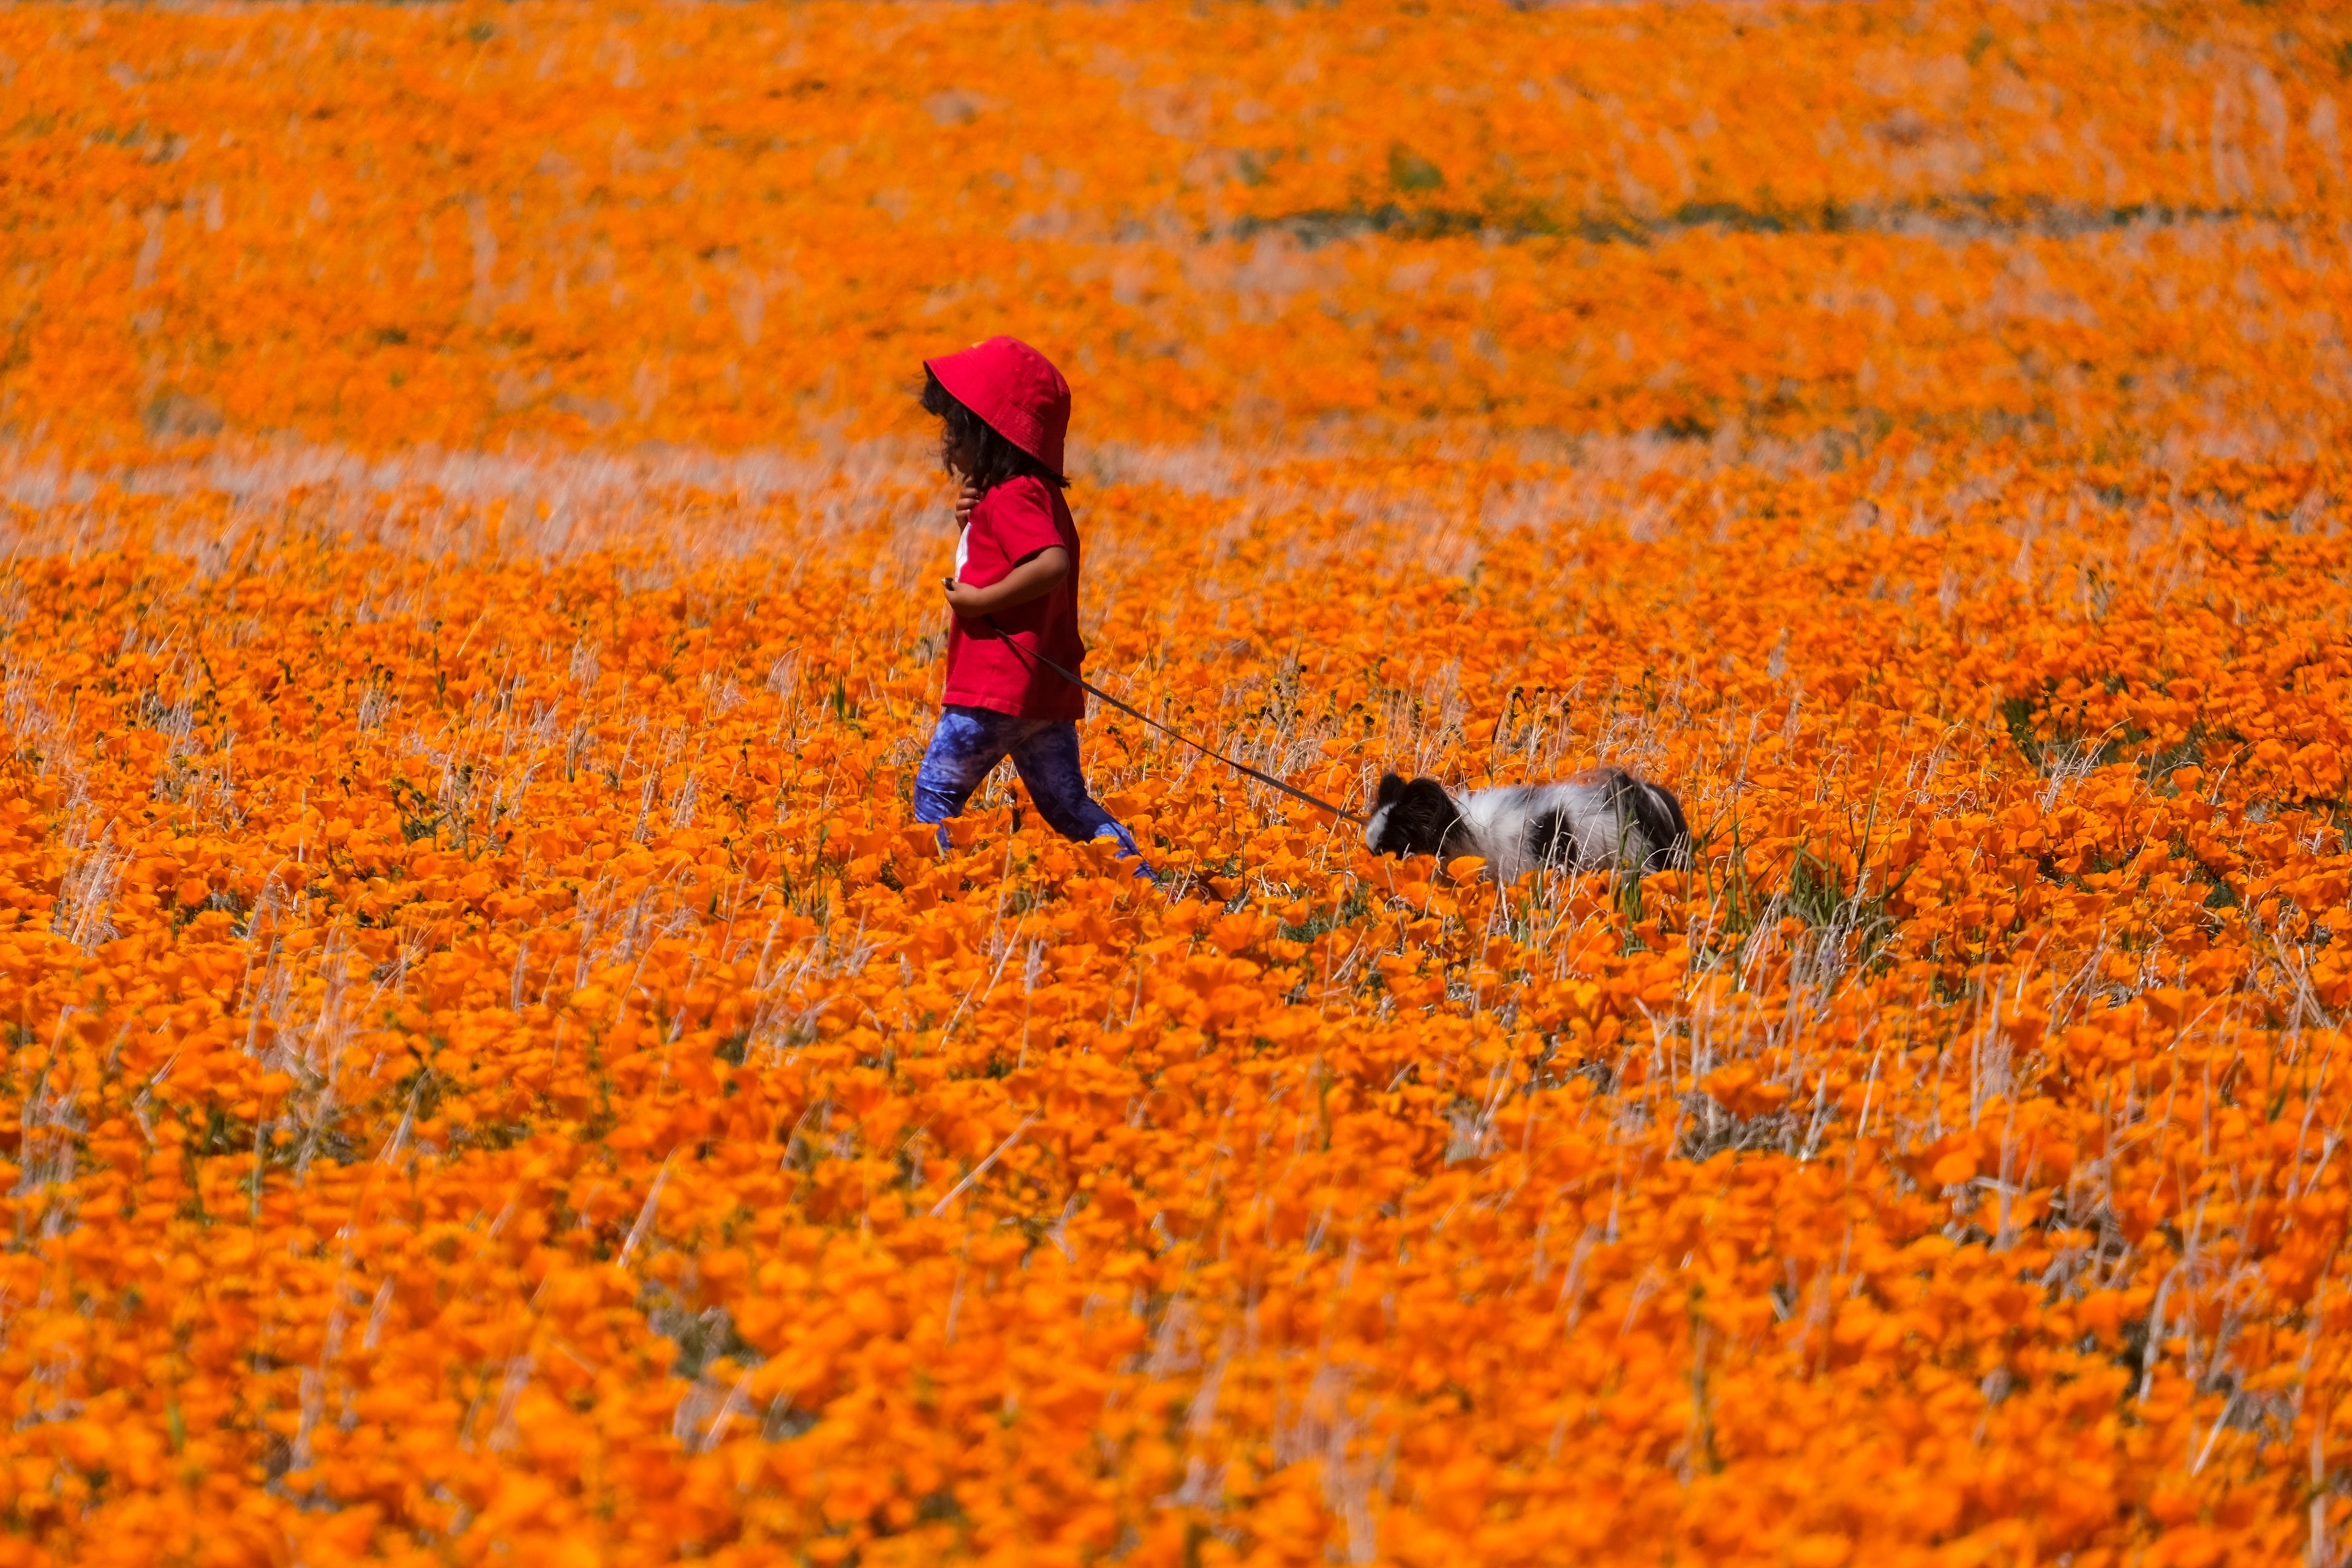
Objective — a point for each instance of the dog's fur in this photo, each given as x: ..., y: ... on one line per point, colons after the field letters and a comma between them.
x: 1600, y: 819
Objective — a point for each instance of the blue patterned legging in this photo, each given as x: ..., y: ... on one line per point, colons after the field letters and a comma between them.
x: 970, y: 741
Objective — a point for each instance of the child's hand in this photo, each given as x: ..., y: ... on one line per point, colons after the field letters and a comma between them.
x: 1034, y: 577
x: 966, y: 600
x: 965, y: 501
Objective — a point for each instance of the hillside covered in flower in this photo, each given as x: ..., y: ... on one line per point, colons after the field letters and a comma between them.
x: 493, y: 1071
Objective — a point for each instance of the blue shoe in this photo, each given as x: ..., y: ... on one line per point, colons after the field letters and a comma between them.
x: 1127, y: 851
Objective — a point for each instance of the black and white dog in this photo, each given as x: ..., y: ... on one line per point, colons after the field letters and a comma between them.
x: 1600, y: 819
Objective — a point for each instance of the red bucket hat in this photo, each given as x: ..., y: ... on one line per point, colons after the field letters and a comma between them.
x: 1015, y: 389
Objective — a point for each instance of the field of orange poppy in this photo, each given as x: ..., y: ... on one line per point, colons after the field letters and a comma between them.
x: 493, y: 1070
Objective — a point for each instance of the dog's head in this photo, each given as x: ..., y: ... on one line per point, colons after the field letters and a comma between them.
x: 1410, y: 817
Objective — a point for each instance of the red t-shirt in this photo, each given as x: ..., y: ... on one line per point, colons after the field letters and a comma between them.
x: 1012, y: 521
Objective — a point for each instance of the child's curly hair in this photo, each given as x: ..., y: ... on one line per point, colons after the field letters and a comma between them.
x: 994, y: 459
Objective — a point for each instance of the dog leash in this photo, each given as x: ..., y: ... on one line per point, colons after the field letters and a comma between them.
x: 1086, y: 686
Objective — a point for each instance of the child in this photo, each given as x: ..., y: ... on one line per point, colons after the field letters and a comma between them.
x: 1003, y: 411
